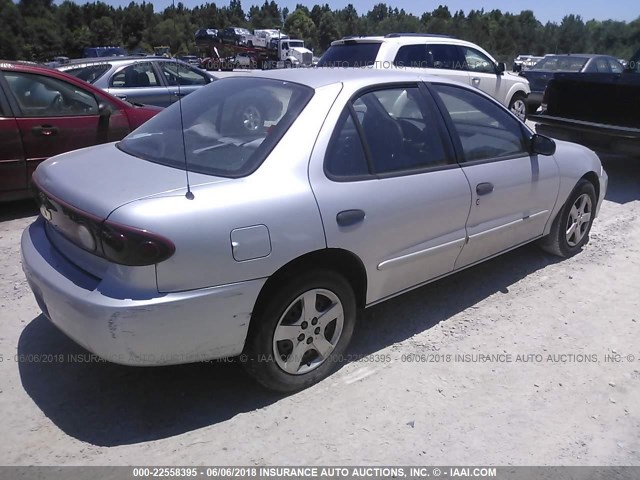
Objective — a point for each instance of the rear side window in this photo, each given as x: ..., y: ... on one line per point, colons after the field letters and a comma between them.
x: 345, y: 156
x: 89, y: 73
x: 227, y: 128
x: 350, y: 54
x: 486, y: 131
x: 430, y: 56
x: 445, y: 56
x: 387, y: 131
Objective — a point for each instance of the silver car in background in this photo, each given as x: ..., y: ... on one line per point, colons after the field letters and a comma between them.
x: 312, y: 194
x: 148, y: 80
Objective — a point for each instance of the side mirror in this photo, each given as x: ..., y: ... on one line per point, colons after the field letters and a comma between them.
x: 542, y: 145
x: 104, y: 109
x: 500, y: 68
x: 517, y: 68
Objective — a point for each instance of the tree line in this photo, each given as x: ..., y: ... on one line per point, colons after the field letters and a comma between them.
x: 40, y: 29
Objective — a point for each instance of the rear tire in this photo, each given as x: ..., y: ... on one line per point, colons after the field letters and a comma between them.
x: 299, y: 335
x: 571, y: 227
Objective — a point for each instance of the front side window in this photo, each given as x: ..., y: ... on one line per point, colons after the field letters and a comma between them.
x: 43, y: 96
x: 399, y: 134
x: 477, y: 61
x: 137, y: 75
x: 486, y: 131
x: 229, y: 126
x: 179, y: 74
x: 615, y: 66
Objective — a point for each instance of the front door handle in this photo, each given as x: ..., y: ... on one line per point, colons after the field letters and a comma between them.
x: 179, y: 94
x: 45, y: 130
x: 484, y: 188
x: 476, y: 81
x: 347, y: 218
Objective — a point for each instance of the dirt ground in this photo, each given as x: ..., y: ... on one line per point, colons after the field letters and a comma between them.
x: 523, y: 360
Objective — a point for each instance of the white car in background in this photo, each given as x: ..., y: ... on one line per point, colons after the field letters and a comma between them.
x: 438, y: 55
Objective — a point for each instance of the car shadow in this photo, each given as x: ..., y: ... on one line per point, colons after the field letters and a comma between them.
x: 18, y: 209
x: 107, y: 404
x: 624, y: 178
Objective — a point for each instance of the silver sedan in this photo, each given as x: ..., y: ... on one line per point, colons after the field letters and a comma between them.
x: 148, y: 80
x: 284, y: 202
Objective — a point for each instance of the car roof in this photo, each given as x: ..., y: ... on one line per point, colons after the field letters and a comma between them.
x: 116, y: 61
x: 318, y: 77
x: 404, y: 39
x: 27, y: 67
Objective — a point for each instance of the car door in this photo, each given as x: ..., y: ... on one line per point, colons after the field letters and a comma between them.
x: 513, y: 192
x: 13, y: 167
x: 140, y: 83
x: 53, y: 116
x: 484, y: 75
x: 388, y: 188
x: 181, y: 78
x: 438, y: 59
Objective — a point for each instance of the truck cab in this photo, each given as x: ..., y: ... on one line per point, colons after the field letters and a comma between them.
x: 294, y: 53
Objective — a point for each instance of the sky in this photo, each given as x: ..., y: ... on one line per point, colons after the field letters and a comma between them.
x: 544, y: 10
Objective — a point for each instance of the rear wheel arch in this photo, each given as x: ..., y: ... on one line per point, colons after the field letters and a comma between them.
x: 337, y: 260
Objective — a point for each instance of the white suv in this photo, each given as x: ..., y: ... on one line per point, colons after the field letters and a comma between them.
x: 438, y: 55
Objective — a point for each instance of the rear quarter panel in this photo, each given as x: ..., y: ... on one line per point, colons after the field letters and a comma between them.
x: 277, y: 195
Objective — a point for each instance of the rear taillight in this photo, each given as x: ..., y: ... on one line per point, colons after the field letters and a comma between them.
x: 131, y: 246
x: 117, y: 243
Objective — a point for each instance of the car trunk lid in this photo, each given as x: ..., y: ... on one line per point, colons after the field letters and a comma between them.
x: 97, y: 180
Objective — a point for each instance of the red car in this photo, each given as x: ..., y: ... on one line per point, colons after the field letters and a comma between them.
x: 44, y: 112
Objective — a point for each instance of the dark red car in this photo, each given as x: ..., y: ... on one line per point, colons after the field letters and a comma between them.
x: 44, y: 112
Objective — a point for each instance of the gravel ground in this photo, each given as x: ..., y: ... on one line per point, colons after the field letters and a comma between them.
x: 561, y: 388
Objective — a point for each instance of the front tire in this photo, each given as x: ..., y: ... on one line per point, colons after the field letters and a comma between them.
x: 518, y: 106
x: 571, y: 227
x: 299, y: 336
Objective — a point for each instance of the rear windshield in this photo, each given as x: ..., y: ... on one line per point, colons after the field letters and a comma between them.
x: 89, y: 73
x: 561, y: 64
x: 350, y: 54
x: 230, y: 126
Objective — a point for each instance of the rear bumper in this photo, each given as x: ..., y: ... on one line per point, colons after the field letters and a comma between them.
x: 599, y: 137
x: 161, y: 329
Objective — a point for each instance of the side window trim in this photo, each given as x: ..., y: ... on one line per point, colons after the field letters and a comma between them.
x: 455, y: 138
x: 365, y: 146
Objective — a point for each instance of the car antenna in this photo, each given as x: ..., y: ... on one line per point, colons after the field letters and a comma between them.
x: 189, y: 195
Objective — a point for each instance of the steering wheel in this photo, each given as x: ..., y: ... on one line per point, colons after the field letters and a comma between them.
x: 57, y: 104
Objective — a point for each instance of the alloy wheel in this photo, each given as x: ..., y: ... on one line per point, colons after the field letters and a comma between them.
x: 309, y: 330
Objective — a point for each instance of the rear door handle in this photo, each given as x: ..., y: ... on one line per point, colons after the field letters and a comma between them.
x: 484, y: 188
x: 179, y: 94
x: 347, y: 218
x: 476, y: 81
x: 45, y: 130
